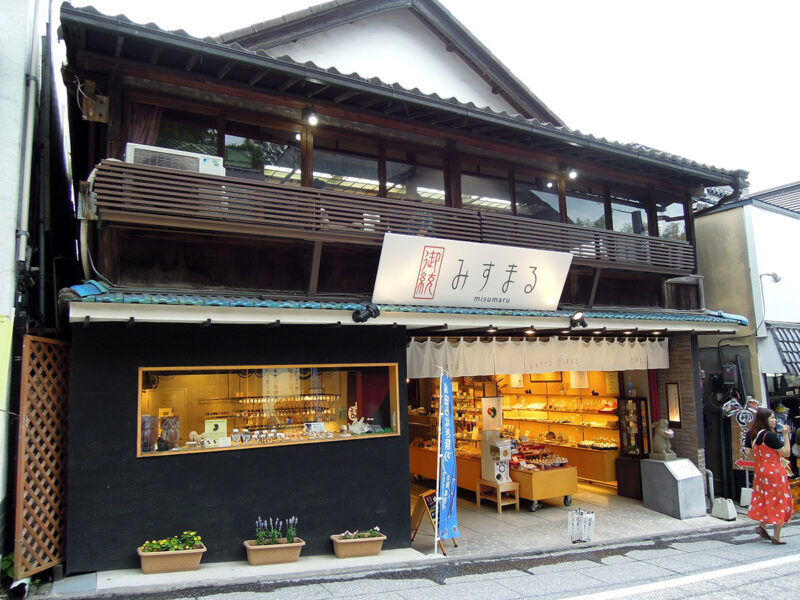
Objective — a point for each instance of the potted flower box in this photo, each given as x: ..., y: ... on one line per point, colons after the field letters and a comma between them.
x: 178, y: 553
x: 270, y: 547
x: 358, y: 543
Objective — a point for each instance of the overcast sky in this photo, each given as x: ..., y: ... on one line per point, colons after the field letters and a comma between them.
x: 715, y: 81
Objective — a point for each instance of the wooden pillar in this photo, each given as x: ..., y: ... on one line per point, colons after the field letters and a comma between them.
x: 452, y: 176
x: 609, y: 214
x: 562, y: 197
x: 382, y: 169
x: 307, y: 157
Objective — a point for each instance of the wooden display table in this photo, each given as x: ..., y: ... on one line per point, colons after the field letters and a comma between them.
x: 533, y: 485
x: 595, y: 465
x: 502, y: 494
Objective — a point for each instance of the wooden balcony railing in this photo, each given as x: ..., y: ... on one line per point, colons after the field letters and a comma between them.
x: 155, y: 197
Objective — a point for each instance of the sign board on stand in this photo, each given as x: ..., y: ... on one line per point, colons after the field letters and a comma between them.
x: 426, y: 505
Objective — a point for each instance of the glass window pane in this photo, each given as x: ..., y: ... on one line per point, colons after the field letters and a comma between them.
x: 485, y: 193
x: 185, y: 131
x: 413, y: 182
x: 538, y: 199
x: 585, y: 209
x: 263, y: 155
x: 345, y: 172
x: 672, y: 221
x: 629, y: 216
x: 196, y: 409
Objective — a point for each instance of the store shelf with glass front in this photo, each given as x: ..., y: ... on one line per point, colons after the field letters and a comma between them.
x: 576, y: 421
x: 228, y: 408
x: 467, y: 394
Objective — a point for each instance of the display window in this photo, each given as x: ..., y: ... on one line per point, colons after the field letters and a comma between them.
x: 228, y: 408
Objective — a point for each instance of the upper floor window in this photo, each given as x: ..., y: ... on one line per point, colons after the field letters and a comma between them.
x: 262, y: 154
x: 629, y: 215
x: 169, y: 128
x: 413, y: 177
x: 537, y: 198
x: 344, y: 164
x: 585, y: 208
x: 671, y: 220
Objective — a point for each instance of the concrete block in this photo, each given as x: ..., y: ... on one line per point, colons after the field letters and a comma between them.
x: 673, y: 487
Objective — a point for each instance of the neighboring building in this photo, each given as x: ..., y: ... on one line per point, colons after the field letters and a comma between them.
x: 754, y: 232
x: 228, y: 272
x: 36, y: 233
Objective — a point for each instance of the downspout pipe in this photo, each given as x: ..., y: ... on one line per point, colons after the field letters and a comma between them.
x: 31, y: 94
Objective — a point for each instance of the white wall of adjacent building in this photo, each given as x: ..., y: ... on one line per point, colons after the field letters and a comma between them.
x: 396, y: 48
x: 20, y: 35
x: 775, y: 243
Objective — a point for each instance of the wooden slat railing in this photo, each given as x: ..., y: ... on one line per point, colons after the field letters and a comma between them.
x: 152, y: 196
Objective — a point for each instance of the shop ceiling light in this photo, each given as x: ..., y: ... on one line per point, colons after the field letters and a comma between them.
x: 629, y: 332
x: 577, y: 319
x: 529, y: 332
x: 310, y: 117
x: 491, y: 329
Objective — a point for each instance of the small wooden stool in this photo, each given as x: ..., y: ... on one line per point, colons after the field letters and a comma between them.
x: 510, y: 489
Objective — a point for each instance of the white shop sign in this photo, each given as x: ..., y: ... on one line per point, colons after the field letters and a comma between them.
x: 435, y: 272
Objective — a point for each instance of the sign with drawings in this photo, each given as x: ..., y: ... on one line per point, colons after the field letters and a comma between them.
x: 435, y: 272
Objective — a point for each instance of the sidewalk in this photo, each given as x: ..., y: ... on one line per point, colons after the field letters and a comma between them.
x: 485, y: 534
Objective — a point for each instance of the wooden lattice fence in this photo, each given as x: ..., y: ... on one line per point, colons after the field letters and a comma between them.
x: 40, y: 524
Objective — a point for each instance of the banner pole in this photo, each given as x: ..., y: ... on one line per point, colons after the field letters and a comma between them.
x: 438, y: 461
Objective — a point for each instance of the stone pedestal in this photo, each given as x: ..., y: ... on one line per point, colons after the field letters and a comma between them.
x: 673, y: 487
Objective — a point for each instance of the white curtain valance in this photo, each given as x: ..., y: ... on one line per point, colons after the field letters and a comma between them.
x: 460, y: 358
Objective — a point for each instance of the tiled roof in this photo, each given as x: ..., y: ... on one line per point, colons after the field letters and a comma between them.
x: 784, y: 196
x: 573, y: 137
x: 94, y: 291
x: 787, y: 338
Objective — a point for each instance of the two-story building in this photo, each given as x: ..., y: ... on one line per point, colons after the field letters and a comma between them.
x: 234, y: 206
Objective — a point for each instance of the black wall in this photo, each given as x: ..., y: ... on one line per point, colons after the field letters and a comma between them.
x: 116, y: 501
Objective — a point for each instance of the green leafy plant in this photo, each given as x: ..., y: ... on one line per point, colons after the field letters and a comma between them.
x: 291, y: 529
x: 188, y: 540
x: 369, y: 533
x: 7, y: 566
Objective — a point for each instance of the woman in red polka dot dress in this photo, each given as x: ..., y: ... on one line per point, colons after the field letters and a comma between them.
x: 771, y: 501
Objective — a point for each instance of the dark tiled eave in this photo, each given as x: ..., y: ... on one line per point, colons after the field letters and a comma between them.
x: 105, y: 35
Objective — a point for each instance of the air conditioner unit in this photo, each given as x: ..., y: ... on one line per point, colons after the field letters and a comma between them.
x: 174, y: 159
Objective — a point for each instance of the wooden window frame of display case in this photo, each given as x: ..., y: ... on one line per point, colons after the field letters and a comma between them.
x: 394, y: 401
x: 471, y: 396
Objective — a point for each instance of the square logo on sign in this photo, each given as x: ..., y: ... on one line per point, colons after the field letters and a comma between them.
x: 430, y: 268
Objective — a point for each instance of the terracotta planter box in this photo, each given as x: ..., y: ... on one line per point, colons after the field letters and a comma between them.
x: 357, y: 546
x: 169, y: 562
x: 271, y: 554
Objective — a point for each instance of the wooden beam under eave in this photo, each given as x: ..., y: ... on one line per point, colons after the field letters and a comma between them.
x: 118, y: 49
x: 313, y: 277
x: 155, y: 55
x: 257, y: 77
x: 370, y: 102
x: 226, y: 68
x: 346, y: 96
x: 193, y: 60
x: 319, y: 90
x: 289, y: 83
x: 393, y: 109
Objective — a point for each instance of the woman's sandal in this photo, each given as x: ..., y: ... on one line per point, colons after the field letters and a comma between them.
x: 763, y: 533
x: 778, y: 542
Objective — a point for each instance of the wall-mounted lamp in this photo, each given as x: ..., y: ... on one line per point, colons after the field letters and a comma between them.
x: 310, y: 117
x: 572, y: 174
x: 370, y: 311
x: 577, y: 319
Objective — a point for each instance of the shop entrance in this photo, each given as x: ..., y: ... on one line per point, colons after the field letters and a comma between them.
x: 564, y: 427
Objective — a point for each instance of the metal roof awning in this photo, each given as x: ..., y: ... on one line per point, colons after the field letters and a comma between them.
x: 92, y: 302
x: 779, y: 352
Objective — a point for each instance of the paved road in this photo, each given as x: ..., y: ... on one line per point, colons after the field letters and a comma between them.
x: 734, y: 563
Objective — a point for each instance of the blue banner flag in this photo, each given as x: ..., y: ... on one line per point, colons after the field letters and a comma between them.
x: 448, y: 518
